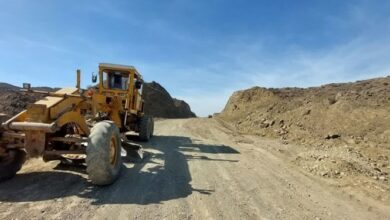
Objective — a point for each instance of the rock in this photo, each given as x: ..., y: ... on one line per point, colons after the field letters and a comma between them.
x: 382, y: 178
x: 306, y: 112
x: 324, y: 173
x: 332, y: 136
x: 268, y: 123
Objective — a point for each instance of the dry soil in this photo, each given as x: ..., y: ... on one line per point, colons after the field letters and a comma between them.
x: 194, y: 169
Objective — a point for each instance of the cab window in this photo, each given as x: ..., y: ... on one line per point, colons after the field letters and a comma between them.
x: 115, y: 80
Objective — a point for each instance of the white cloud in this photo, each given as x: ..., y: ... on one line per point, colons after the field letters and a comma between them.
x: 357, y: 60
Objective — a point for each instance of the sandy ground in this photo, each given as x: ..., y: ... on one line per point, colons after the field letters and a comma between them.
x: 193, y: 169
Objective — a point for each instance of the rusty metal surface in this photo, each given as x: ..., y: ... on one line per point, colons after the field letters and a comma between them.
x: 35, y: 143
x: 13, y: 135
x: 12, y: 140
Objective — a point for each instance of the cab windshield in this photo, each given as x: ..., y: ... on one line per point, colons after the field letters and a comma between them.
x: 115, y: 80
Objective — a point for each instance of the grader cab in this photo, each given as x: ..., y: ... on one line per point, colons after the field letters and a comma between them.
x: 83, y: 126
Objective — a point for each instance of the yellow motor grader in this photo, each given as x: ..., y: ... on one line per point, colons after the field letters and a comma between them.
x: 76, y: 124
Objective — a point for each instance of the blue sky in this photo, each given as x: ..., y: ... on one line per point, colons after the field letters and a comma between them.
x: 201, y: 51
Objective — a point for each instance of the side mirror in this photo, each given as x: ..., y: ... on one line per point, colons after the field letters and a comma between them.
x: 138, y: 84
x: 94, y: 78
x: 27, y: 86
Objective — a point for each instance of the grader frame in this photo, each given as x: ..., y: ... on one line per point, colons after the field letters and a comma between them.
x: 72, y: 124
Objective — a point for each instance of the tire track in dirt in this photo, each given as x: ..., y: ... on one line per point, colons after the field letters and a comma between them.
x: 193, y: 169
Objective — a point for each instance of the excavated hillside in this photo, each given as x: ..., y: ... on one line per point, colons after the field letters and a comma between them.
x: 158, y: 102
x: 12, y: 101
x: 345, y: 128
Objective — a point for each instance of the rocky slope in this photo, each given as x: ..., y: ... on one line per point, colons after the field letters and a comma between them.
x: 12, y: 101
x: 345, y: 128
x: 158, y: 102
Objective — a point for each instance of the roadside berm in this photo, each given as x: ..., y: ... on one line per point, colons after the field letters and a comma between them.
x: 333, y: 131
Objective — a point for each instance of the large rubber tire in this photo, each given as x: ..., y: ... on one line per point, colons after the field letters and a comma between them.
x: 146, y: 128
x: 104, y: 153
x: 11, y: 164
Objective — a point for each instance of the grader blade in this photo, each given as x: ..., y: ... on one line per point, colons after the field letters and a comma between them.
x: 133, y: 150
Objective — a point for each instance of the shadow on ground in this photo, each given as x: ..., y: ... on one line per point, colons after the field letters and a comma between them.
x: 162, y: 175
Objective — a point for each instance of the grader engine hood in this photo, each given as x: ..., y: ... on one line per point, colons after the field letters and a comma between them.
x: 37, y: 113
x: 44, y: 117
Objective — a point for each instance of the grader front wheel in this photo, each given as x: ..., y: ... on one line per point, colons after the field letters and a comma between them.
x: 104, y: 153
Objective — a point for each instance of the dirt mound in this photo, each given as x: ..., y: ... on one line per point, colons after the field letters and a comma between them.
x: 159, y: 103
x: 346, y: 126
x: 4, y: 87
x: 12, y: 101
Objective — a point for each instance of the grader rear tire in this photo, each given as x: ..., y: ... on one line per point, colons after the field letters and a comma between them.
x: 104, y: 153
x: 11, y: 163
x: 146, y: 128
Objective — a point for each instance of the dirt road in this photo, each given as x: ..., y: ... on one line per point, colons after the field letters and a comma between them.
x: 193, y: 169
